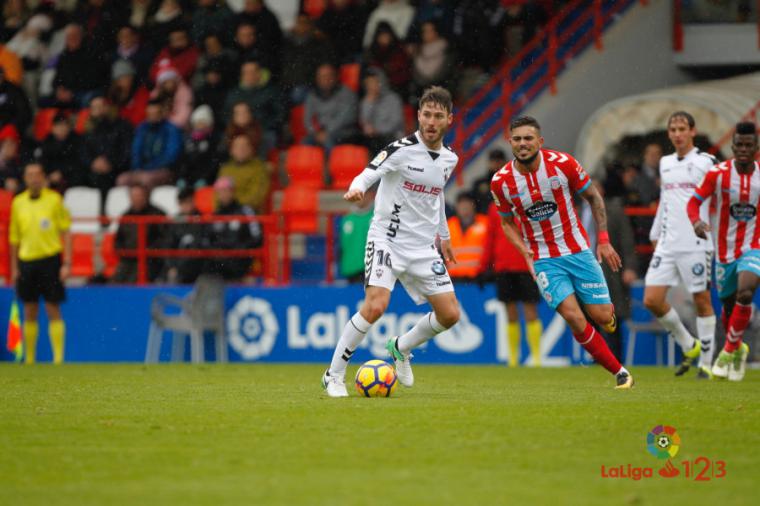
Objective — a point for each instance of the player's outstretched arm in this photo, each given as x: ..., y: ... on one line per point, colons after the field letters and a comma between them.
x: 604, y: 250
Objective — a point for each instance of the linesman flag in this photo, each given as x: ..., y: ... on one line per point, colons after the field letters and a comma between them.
x: 14, y: 343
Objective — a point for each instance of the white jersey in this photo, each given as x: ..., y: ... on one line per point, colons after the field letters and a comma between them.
x: 410, y: 205
x: 679, y: 177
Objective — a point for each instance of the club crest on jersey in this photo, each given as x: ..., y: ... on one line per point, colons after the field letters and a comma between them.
x: 554, y: 183
x: 541, y: 210
x: 697, y: 269
x: 742, y: 211
x: 438, y: 268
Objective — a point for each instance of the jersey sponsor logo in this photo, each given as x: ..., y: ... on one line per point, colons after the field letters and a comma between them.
x: 554, y: 183
x: 541, y: 210
x: 593, y: 285
x: 742, y: 211
x: 415, y: 169
x: 395, y: 221
x: 559, y: 157
x: 380, y: 158
x: 401, y: 143
x: 698, y: 269
x: 679, y: 186
x: 438, y: 268
x: 421, y: 188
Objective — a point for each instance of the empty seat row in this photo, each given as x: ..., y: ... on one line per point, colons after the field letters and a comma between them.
x: 305, y: 165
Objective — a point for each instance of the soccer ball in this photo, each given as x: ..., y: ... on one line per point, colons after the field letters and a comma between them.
x: 376, y: 379
x: 663, y: 442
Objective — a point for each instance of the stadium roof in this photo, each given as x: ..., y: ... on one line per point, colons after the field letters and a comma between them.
x: 715, y: 105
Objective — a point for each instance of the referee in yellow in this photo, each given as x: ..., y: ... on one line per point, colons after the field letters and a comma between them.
x: 40, y: 257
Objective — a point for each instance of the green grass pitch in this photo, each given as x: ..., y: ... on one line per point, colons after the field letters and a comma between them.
x: 266, y: 434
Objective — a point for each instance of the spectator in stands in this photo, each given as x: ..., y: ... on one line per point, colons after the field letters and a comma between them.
x: 14, y: 15
x: 168, y: 17
x: 78, y: 73
x: 242, y: 123
x: 184, y: 235
x: 518, y: 25
x: 248, y: 47
x: 132, y: 49
x: 231, y: 234
x: 388, y: 53
x: 180, y: 54
x: 354, y: 227
x: 381, y: 112
x: 475, y: 31
x: 11, y: 65
x: 622, y: 239
x: 14, y: 105
x: 59, y: 153
x: 106, y: 145
x: 200, y: 158
x: 648, y: 178
x: 263, y: 98
x: 28, y: 45
x: 481, y: 188
x: 268, y: 30
x: 432, y: 60
x: 440, y: 12
x: 397, y: 13
x: 126, y: 237
x: 10, y: 164
x: 140, y: 12
x: 214, y: 86
x: 100, y: 19
x: 155, y: 150
x: 176, y: 96
x: 214, y: 51
x: 304, y: 49
x: 251, y: 176
x: 211, y: 17
x: 468, y: 233
x: 126, y: 93
x: 330, y: 110
x: 336, y: 21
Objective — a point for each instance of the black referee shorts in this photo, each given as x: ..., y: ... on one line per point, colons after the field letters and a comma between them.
x: 517, y: 287
x: 40, y: 278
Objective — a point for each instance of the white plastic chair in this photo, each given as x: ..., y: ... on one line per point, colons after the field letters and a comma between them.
x: 117, y: 203
x: 83, y: 202
x: 165, y: 198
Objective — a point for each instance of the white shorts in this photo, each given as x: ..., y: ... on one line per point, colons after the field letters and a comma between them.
x: 422, y: 272
x: 693, y: 268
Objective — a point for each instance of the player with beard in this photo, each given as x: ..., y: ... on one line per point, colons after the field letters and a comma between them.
x: 409, y: 215
x: 538, y: 187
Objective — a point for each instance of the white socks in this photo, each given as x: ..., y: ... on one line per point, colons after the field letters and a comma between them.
x: 425, y: 329
x: 672, y: 324
x: 706, y: 334
x: 353, y: 334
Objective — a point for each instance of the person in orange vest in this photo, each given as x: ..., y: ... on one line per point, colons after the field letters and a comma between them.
x: 502, y: 263
x: 468, y: 232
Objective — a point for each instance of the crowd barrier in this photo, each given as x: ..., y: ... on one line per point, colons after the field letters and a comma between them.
x: 302, y: 324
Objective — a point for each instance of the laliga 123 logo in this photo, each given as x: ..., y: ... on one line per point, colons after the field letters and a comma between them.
x: 663, y: 442
x: 252, y: 327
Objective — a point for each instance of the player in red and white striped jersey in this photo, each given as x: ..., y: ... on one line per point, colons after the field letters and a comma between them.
x: 735, y: 186
x: 538, y: 188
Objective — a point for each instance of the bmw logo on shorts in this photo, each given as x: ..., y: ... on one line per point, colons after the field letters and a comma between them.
x: 698, y: 269
x: 438, y: 268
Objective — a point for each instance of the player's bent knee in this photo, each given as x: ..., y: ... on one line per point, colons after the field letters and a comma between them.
x: 449, y: 318
x: 603, y: 315
x: 372, y: 310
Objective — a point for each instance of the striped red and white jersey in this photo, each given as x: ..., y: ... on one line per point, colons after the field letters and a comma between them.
x: 736, y: 199
x: 543, y: 201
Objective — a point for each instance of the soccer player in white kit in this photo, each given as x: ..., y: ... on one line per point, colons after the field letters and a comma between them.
x: 735, y: 186
x: 409, y: 214
x: 679, y: 255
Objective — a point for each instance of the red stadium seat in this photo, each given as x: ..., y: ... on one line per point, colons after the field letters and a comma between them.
x: 43, y: 123
x: 410, y: 119
x: 205, y: 200
x: 305, y: 166
x: 82, y: 249
x: 350, y: 76
x: 300, y: 205
x: 81, y: 123
x: 297, y: 128
x: 108, y: 254
x: 314, y: 8
x: 346, y: 161
x: 6, y: 198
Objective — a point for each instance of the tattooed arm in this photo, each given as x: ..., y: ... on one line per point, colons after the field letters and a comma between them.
x: 604, y: 250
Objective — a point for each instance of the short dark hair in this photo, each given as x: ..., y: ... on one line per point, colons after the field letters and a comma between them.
x: 437, y: 95
x: 524, y: 121
x: 497, y: 154
x: 746, y: 128
x: 682, y: 115
x: 36, y: 162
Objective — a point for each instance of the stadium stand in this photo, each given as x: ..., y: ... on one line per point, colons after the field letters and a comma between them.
x: 165, y: 198
x: 83, y: 204
x: 305, y: 166
x: 346, y: 161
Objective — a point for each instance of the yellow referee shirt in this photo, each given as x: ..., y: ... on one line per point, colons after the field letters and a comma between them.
x: 37, y: 224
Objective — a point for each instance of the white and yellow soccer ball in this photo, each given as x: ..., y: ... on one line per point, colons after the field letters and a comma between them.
x: 376, y: 379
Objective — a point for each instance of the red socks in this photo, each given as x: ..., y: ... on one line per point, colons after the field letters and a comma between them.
x: 593, y: 343
x: 740, y: 317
